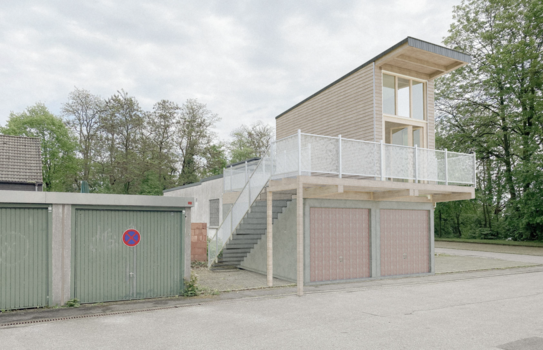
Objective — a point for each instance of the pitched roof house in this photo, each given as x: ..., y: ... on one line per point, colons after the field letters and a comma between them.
x: 20, y: 163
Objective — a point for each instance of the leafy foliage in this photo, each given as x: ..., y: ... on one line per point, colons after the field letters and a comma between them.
x: 58, y: 145
x: 494, y: 107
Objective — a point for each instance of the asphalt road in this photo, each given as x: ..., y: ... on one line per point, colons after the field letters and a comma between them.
x: 482, y: 310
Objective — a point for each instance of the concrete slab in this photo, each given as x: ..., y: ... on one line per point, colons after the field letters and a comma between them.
x: 234, y: 279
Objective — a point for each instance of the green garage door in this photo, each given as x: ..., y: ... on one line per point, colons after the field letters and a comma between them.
x: 106, y: 269
x: 24, y: 262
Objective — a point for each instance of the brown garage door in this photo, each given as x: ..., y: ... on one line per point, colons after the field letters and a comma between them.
x: 405, y: 242
x: 340, y: 244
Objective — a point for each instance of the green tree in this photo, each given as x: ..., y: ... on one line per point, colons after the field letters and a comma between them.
x: 193, y: 137
x: 58, y: 145
x: 494, y: 107
x: 250, y: 141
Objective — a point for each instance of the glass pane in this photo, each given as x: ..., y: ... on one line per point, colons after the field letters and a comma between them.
x: 388, y: 95
x: 403, y: 97
x: 417, y: 137
x: 399, y: 137
x: 418, y: 100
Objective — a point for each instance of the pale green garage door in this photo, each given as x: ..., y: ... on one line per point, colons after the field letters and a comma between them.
x: 106, y: 269
x: 24, y: 257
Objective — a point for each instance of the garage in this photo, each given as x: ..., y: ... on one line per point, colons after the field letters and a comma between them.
x: 24, y: 256
x: 405, y: 242
x: 339, y: 244
x: 127, y: 254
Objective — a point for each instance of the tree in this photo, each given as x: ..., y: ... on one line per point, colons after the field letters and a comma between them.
x: 83, y: 113
x: 193, y: 137
x: 121, y: 131
x: 250, y: 141
x: 160, y: 127
x: 494, y: 105
x: 58, y: 145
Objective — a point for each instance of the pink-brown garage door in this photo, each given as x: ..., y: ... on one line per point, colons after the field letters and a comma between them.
x: 340, y: 244
x: 405, y: 242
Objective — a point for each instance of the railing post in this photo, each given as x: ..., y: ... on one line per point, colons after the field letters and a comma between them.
x: 446, y: 169
x: 247, y: 182
x: 382, y: 160
x: 474, y: 169
x: 340, y: 165
x: 299, y: 152
x: 224, y: 179
x: 416, y: 164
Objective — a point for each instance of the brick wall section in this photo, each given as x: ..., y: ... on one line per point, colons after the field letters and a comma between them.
x: 198, y: 239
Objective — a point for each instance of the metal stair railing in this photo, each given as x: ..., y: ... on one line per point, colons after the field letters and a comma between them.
x: 256, y: 182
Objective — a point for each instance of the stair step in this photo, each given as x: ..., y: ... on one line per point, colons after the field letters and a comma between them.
x: 230, y: 260
x: 247, y: 236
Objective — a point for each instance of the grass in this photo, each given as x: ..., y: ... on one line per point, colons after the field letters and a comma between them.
x: 493, y: 241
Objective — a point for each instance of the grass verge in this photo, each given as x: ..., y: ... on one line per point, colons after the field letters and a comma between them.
x: 492, y: 241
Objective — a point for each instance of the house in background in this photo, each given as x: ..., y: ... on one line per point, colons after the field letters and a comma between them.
x: 20, y: 163
x: 348, y: 189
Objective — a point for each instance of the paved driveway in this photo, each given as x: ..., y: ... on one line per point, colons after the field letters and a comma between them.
x: 477, y: 310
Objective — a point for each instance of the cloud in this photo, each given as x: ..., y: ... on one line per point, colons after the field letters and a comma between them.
x: 247, y: 60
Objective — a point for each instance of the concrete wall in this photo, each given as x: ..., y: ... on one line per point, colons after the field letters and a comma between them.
x: 61, y: 205
x: 284, y: 247
x: 202, y: 194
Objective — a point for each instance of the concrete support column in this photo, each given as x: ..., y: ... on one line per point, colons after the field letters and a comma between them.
x: 269, y: 236
x: 61, y: 254
x: 300, y: 236
x: 187, y: 243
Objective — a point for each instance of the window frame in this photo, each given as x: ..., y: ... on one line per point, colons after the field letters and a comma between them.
x: 218, y: 212
x: 411, y: 79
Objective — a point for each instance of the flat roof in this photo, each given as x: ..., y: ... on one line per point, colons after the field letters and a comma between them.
x: 413, y: 42
x: 214, y: 177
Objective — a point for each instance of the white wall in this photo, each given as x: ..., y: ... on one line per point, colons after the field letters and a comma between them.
x: 202, y: 193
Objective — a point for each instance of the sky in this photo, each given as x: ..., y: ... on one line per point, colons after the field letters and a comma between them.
x: 248, y: 61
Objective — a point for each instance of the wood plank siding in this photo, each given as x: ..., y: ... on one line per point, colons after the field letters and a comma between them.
x: 431, y: 117
x: 345, y: 108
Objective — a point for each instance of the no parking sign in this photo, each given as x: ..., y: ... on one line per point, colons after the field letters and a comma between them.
x: 131, y: 237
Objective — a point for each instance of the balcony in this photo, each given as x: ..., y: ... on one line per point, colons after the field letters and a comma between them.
x: 336, y: 157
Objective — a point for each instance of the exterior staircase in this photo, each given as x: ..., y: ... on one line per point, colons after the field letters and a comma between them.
x: 251, y: 229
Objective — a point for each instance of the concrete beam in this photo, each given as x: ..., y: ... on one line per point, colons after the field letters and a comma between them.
x: 300, y: 237
x: 390, y: 195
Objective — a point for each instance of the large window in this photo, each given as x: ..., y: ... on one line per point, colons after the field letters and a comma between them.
x: 403, y: 97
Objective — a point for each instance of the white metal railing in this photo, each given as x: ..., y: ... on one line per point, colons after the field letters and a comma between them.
x: 313, y: 155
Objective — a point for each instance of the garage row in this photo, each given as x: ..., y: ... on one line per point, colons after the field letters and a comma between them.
x: 94, y: 247
x: 348, y: 240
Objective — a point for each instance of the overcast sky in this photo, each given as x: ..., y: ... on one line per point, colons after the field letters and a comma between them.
x: 247, y: 60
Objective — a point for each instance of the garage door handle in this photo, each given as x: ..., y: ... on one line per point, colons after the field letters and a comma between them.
x: 131, y: 274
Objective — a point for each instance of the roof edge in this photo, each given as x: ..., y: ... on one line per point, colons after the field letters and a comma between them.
x: 409, y: 40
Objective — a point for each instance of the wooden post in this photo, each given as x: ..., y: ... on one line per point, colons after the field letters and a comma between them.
x: 269, y: 236
x: 300, y: 236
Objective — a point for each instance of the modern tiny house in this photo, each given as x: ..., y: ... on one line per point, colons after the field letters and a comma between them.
x: 348, y: 189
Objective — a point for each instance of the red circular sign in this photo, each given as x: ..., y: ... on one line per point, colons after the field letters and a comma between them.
x: 131, y: 237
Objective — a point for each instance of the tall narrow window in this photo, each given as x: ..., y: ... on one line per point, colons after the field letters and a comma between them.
x: 417, y: 137
x: 403, y: 97
x: 389, y: 94
x: 417, y: 93
x: 214, y: 207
